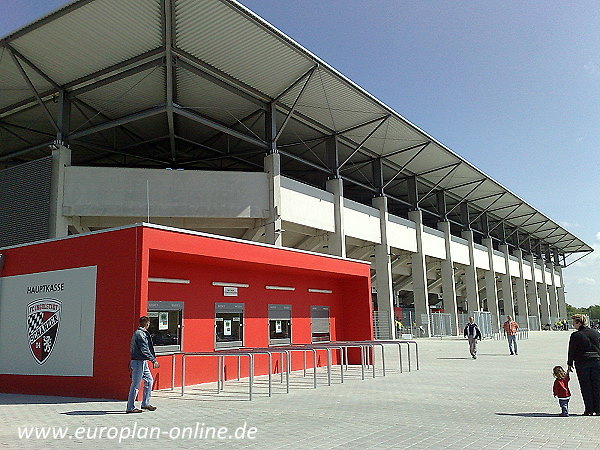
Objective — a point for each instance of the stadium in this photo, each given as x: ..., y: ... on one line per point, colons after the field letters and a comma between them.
x: 201, y: 115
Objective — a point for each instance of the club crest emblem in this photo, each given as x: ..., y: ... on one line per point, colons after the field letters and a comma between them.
x: 43, y: 319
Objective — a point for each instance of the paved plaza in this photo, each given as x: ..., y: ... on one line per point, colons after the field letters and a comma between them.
x: 496, y: 401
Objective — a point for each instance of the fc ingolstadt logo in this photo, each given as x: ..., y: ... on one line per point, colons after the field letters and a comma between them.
x: 43, y: 319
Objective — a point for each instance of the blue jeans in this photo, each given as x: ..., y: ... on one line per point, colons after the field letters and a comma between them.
x: 139, y: 372
x: 512, y: 341
x: 564, y: 406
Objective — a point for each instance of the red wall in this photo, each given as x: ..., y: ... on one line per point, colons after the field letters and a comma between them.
x: 218, y: 260
x: 114, y: 254
x: 126, y: 257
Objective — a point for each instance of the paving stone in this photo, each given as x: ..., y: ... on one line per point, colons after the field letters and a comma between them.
x: 497, y: 401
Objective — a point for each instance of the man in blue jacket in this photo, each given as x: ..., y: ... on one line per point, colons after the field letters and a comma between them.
x: 142, y: 350
x: 472, y: 332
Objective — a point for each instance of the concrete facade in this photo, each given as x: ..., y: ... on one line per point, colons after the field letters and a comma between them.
x: 272, y: 208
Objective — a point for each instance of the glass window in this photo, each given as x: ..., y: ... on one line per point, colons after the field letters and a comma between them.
x: 319, y: 323
x: 280, y: 324
x: 165, y: 329
x: 229, y: 325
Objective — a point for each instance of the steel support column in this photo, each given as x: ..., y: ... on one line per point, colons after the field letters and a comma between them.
x: 383, y: 268
x: 448, y: 280
x: 543, y: 294
x: 507, y: 296
x: 419, y: 275
x: 471, y: 275
x: 61, y: 158
x: 552, y: 297
x: 491, y: 289
x: 520, y: 293
x: 532, y: 292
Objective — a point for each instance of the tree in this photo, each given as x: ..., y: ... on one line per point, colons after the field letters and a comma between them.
x: 593, y: 312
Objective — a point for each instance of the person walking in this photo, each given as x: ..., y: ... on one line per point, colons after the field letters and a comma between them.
x: 584, y: 353
x: 142, y: 350
x: 510, y: 330
x: 473, y: 334
x: 561, y: 389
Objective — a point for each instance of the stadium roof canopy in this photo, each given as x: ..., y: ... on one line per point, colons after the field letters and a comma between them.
x: 191, y: 83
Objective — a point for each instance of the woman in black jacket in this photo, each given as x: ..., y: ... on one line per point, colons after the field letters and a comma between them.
x: 584, y: 352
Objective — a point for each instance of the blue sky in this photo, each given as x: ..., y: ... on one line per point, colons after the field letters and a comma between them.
x: 513, y: 87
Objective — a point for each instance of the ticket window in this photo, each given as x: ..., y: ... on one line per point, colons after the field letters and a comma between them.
x: 166, y: 326
x: 280, y: 324
x: 319, y: 323
x: 229, y: 325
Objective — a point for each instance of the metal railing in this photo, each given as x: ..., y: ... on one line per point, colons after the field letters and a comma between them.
x: 522, y: 333
x: 367, y: 360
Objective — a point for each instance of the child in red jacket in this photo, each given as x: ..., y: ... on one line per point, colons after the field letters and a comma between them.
x: 561, y: 389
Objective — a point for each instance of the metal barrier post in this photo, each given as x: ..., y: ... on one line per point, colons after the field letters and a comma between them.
x: 182, y: 373
x: 173, y: 372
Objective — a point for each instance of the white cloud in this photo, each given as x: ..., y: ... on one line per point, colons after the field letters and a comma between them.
x: 588, y: 281
x: 598, y: 236
x: 566, y: 224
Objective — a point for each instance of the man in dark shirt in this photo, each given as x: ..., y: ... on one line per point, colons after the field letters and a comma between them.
x: 141, y: 350
x: 584, y: 352
x: 472, y: 333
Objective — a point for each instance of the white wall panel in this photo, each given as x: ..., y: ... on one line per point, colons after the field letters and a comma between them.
x: 526, y: 271
x: 361, y: 222
x: 402, y: 234
x: 557, y: 279
x: 498, y: 258
x: 298, y: 198
x: 460, y: 251
x: 513, y: 265
x: 481, y: 259
x: 434, y: 243
x: 538, y: 275
x: 59, y: 345
x: 111, y: 191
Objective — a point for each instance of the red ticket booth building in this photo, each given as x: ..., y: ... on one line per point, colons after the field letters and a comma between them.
x: 68, y: 306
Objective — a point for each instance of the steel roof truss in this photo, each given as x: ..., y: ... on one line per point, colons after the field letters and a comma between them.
x: 382, y: 121
x: 500, y: 208
x: 120, y: 121
x: 206, y: 147
x: 20, y: 127
x: 465, y: 197
x: 114, y: 70
x: 183, y: 63
x: 467, y: 183
x: 308, y: 77
x: 9, y: 131
x: 305, y: 141
x: 32, y: 88
x: 119, y: 152
x: 168, y: 35
x: 228, y: 81
x: 303, y: 161
x: 435, y: 186
x: 117, y: 76
x: 218, y: 126
x: 26, y: 150
x: 411, y: 159
x: 499, y: 194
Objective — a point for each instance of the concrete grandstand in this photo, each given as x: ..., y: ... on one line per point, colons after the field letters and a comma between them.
x: 201, y: 115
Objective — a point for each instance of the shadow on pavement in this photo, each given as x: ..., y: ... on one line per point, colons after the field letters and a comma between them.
x: 22, y: 399
x: 458, y: 358
x: 92, y: 413
x: 532, y: 414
